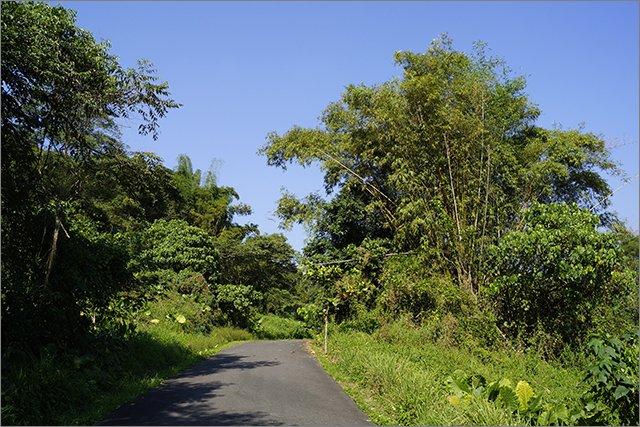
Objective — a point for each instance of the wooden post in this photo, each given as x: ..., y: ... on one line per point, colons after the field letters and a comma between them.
x: 326, y: 326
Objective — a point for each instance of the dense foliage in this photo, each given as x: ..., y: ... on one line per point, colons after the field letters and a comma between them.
x: 450, y: 207
x: 452, y: 213
x: 559, y: 275
x: 449, y: 155
x: 102, y: 246
x: 60, y: 93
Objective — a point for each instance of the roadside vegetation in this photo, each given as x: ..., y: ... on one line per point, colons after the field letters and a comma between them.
x: 463, y: 269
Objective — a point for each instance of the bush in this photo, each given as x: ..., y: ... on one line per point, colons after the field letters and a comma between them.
x: 180, y: 313
x: 237, y: 304
x: 613, y: 378
x: 177, y: 246
x: 274, y: 327
x: 552, y: 277
x: 312, y: 315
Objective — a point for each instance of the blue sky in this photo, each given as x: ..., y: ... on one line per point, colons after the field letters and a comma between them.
x: 244, y: 69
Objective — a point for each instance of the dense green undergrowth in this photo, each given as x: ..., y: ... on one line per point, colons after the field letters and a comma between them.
x: 79, y: 389
x: 399, y: 377
x: 462, y: 244
x: 53, y: 388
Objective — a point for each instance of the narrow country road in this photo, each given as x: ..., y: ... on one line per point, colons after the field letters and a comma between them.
x: 254, y: 383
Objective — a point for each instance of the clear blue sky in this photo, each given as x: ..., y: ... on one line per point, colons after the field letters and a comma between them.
x: 243, y: 69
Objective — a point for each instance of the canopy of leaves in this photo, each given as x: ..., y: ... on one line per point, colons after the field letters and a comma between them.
x: 448, y: 155
x: 262, y: 261
x: 177, y: 246
x: 60, y: 93
x: 206, y: 205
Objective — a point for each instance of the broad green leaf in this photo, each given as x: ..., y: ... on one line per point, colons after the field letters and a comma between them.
x: 458, y: 383
x: 454, y: 400
x: 535, y: 403
x: 524, y: 393
x: 562, y: 413
x: 621, y: 391
x: 543, y: 419
x: 504, y: 382
x: 509, y: 398
x: 492, y: 391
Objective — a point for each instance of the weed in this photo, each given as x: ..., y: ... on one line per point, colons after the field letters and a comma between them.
x: 273, y: 327
x: 398, y: 376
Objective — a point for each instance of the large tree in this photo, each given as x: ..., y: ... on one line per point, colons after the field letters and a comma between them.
x: 449, y: 154
x: 61, y: 92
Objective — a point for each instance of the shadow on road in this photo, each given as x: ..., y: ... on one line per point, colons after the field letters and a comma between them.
x: 186, y: 399
x: 253, y: 383
x: 222, y: 362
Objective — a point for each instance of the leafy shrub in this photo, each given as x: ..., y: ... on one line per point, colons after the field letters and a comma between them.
x: 237, y: 304
x: 280, y: 302
x: 178, y: 246
x: 554, y: 274
x: 520, y: 401
x: 312, y: 315
x: 192, y: 283
x: 274, y: 327
x: 180, y: 313
x: 612, y: 398
x: 362, y: 319
x: 613, y: 378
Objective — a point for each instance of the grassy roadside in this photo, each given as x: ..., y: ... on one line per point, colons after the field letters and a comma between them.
x: 68, y: 389
x: 55, y: 388
x: 397, y: 378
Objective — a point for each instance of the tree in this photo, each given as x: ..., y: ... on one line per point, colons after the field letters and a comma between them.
x: 344, y: 221
x: 60, y: 93
x: 175, y: 245
x: 264, y: 262
x: 206, y: 205
x: 557, y: 274
x: 132, y: 189
x: 448, y: 154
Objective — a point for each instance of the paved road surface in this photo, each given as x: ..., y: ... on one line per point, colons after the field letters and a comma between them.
x: 253, y: 383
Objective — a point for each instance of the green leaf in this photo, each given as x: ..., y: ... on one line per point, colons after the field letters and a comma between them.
x: 509, y: 398
x: 454, y: 400
x: 543, y: 419
x: 562, y: 413
x: 621, y: 391
x: 524, y: 393
x: 535, y: 404
x: 458, y: 383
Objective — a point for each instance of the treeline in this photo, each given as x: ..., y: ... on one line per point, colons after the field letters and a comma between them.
x: 447, y: 163
x: 92, y: 233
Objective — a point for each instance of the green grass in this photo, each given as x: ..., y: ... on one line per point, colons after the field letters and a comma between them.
x: 398, y: 378
x: 80, y: 389
x: 272, y: 327
x: 58, y: 389
x: 395, y: 374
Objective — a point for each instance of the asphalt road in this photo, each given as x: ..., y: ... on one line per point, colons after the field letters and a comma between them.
x: 254, y: 383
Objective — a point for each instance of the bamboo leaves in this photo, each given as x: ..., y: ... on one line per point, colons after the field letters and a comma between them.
x: 449, y: 154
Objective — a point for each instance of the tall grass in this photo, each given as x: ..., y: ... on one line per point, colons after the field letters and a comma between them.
x: 398, y: 377
x: 272, y: 327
